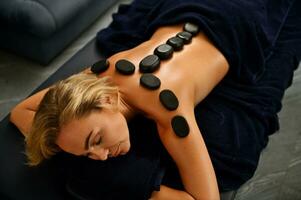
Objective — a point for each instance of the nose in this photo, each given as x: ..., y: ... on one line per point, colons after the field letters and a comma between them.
x: 99, y: 153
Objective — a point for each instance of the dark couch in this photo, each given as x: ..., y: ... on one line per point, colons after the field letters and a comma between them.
x: 41, y: 29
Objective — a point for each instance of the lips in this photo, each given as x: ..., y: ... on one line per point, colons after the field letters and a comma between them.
x: 117, y: 150
x: 116, y: 154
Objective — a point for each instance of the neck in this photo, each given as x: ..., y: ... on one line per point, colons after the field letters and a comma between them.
x: 126, y: 109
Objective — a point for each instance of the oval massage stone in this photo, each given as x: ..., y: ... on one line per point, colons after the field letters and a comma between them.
x: 125, y: 67
x: 149, y: 64
x: 164, y: 51
x: 186, y: 36
x: 100, y: 66
x: 191, y: 28
x: 169, y: 99
x: 180, y: 126
x: 176, y: 42
x: 150, y: 81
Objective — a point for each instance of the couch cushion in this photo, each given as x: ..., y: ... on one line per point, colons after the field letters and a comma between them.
x: 40, y: 17
x: 44, y: 49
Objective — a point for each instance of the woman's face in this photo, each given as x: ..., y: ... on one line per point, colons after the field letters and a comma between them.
x: 102, y: 134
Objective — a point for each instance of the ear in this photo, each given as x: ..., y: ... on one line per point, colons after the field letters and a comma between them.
x: 107, y: 100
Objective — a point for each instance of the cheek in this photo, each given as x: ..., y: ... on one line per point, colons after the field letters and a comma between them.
x: 116, y: 130
x: 125, y: 128
x: 121, y: 127
x: 125, y: 147
x: 122, y: 132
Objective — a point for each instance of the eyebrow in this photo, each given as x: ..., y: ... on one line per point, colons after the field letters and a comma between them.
x: 87, y: 141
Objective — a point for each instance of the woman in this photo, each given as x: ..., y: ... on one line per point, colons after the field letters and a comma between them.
x: 87, y: 114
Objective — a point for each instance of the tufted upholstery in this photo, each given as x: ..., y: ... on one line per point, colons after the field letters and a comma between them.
x: 40, y: 17
x: 40, y: 29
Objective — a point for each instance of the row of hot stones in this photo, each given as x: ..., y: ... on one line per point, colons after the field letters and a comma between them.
x: 151, y: 63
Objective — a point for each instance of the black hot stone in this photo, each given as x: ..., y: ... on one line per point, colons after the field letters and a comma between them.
x: 149, y: 64
x: 125, y: 67
x: 180, y: 126
x: 176, y: 42
x: 169, y: 99
x: 164, y: 51
x: 186, y: 36
x: 191, y: 28
x: 150, y: 81
x: 100, y: 66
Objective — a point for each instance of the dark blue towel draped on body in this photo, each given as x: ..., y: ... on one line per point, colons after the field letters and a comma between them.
x: 261, y: 39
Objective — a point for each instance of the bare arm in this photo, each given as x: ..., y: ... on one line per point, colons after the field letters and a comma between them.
x: 194, y: 165
x: 192, y: 159
x: 23, y: 113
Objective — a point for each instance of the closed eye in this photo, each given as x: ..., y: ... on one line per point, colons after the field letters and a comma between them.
x: 98, y: 139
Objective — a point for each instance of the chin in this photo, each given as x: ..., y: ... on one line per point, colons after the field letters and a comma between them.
x: 127, y: 149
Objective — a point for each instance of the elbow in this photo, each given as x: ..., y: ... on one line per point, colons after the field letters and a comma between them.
x: 214, y: 196
x: 14, y: 118
x: 12, y: 115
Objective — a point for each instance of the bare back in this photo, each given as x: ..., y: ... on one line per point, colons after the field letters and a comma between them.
x: 191, y: 74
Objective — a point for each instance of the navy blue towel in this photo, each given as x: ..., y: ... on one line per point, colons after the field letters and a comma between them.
x: 261, y: 39
x: 245, y: 31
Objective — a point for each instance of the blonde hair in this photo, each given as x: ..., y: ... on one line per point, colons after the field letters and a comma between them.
x: 72, y: 98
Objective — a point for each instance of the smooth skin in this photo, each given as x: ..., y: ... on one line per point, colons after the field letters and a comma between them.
x: 191, y: 74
